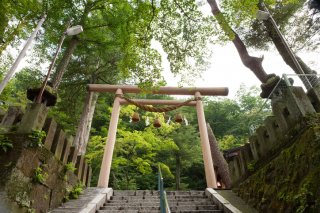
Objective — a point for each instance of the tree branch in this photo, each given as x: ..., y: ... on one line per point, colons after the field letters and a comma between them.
x: 253, y: 63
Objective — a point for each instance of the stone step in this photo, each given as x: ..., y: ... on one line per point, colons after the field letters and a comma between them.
x: 198, y: 211
x: 144, y: 208
x: 134, y: 192
x: 132, y: 204
x: 185, y: 196
x: 134, y: 198
x: 205, y: 203
x: 185, y: 192
x: 151, y: 208
x: 128, y: 211
x: 193, y: 207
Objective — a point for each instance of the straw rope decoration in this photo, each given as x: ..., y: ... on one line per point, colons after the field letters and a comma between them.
x: 156, y: 109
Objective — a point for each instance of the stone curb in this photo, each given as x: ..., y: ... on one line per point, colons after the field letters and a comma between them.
x: 98, y: 201
x: 223, y: 204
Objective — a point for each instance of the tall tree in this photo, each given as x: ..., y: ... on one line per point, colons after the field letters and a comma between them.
x: 286, y: 14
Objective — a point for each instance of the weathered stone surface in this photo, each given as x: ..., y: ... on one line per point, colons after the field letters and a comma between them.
x: 254, y: 145
x: 34, y: 118
x: 13, y: 116
x: 89, y: 176
x: 274, y: 132
x: 73, y: 155
x: 50, y: 128
x: 79, y: 166
x: 84, y: 173
x: 28, y: 162
x: 66, y: 150
x: 294, y: 175
x: 58, y: 143
x: 314, y: 96
x: 41, y: 194
x: 17, y: 172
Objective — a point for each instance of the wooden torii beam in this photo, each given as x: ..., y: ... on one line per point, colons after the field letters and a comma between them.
x: 119, y: 90
x: 205, y: 91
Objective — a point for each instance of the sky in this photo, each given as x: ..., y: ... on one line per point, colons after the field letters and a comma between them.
x: 227, y: 70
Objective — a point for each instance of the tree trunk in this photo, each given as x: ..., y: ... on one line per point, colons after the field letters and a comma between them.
x: 89, y: 122
x: 178, y: 171
x: 280, y: 46
x: 64, y: 62
x: 253, y: 63
x: 221, y: 166
x: 83, y: 131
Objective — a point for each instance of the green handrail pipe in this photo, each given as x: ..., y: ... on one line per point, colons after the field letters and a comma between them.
x: 164, y: 206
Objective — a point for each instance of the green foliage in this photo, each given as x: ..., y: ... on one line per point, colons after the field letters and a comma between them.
x: 5, y: 143
x: 76, y: 191
x: 69, y: 167
x: 251, y: 166
x: 36, y: 138
x: 230, y: 141
x: 232, y: 120
x: 39, y: 175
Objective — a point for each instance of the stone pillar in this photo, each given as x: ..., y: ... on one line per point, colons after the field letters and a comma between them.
x: 79, y: 166
x: 205, y: 145
x: 89, y: 176
x: 66, y: 149
x: 50, y: 128
x: 58, y: 143
x: 73, y: 153
x: 108, y: 149
x: 34, y: 118
x: 84, y: 173
x: 12, y: 116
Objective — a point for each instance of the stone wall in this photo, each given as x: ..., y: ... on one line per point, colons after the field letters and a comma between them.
x: 293, y: 111
x: 35, y: 175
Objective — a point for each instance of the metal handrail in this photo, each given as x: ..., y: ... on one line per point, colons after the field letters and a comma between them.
x: 164, y: 206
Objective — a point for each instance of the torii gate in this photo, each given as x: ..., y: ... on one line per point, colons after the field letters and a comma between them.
x: 119, y: 90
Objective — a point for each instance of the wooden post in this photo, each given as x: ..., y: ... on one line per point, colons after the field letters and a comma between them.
x: 206, y: 152
x: 108, y: 149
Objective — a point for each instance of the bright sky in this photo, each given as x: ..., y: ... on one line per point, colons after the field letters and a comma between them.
x: 227, y: 69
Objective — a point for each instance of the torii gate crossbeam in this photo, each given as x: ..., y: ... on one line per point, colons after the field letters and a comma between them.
x: 197, y: 92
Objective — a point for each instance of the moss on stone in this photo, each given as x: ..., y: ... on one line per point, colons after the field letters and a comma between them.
x: 291, y: 181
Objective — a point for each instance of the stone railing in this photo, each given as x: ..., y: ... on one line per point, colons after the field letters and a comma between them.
x: 41, y: 176
x: 288, y: 120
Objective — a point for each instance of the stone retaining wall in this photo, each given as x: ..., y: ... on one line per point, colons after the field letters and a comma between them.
x: 289, y: 112
x: 33, y: 176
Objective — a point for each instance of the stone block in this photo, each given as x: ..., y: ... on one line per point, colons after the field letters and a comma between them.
x: 254, y: 146
x: 84, y: 173
x: 314, y: 96
x: 66, y: 150
x: 12, y: 116
x: 234, y: 169
x: 79, y: 166
x: 88, y: 181
x: 275, y: 133
x: 246, y: 155
x: 58, y: 143
x: 282, y: 114
x: 73, y: 154
x: 41, y: 194
x: 298, y: 102
x: 50, y: 127
x: 263, y: 144
x: 28, y: 155
x: 34, y: 118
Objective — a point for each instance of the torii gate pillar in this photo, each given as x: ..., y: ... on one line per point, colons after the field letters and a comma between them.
x: 109, y: 147
x: 206, y: 151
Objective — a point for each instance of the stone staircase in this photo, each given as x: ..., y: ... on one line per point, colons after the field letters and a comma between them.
x: 190, y: 201
x: 149, y: 201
